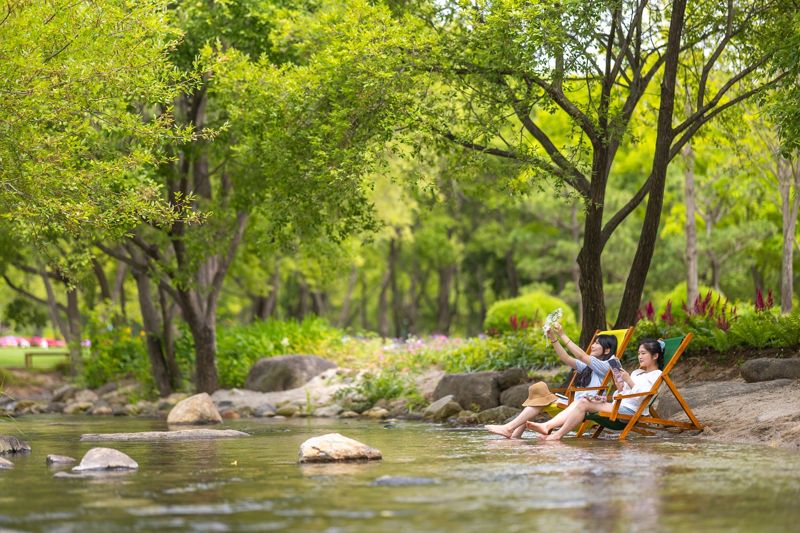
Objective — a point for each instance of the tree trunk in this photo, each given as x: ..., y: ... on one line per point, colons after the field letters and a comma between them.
x: 593, y: 308
x: 383, y: 315
x: 205, y: 342
x: 397, y: 297
x: 364, y: 301
x: 153, y: 332
x: 637, y: 276
x: 344, y: 312
x: 102, y: 280
x: 691, y: 224
x: 444, y: 314
x: 787, y: 174
x: 74, y: 326
x: 575, y: 271
x: 168, y: 308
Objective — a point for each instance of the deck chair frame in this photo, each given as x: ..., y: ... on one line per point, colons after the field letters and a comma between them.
x: 638, y: 422
x: 570, y: 390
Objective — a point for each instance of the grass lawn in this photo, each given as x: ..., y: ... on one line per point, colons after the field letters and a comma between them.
x: 15, y: 357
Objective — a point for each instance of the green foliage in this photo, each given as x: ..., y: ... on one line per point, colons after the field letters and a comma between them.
x: 524, y: 349
x: 533, y: 307
x: 79, y: 81
x: 23, y: 313
x: 239, y: 347
x: 117, y: 352
x: 678, y: 297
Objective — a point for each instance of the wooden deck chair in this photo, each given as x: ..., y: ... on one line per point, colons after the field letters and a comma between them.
x: 673, y: 349
x: 623, y: 338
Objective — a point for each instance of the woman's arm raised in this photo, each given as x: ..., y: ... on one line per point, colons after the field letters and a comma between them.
x: 560, y: 352
x: 582, y: 356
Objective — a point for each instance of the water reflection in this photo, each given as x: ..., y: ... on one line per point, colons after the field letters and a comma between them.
x: 483, y: 483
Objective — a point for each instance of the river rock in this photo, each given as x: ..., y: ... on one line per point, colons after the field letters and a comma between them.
x: 427, y: 382
x: 476, y: 391
x: 328, y: 411
x: 288, y: 410
x: 514, y: 396
x: 334, y: 447
x: 55, y: 407
x: 285, y: 372
x: 77, y: 407
x: 101, y: 409
x: 197, y: 409
x: 106, y: 388
x: 511, y: 377
x: 64, y: 393
x: 85, y: 396
x: 182, y: 434
x: 770, y: 368
x: 265, y: 410
x: 59, y: 459
x: 709, y: 392
x: 442, y: 409
x: 5, y: 464
x: 377, y: 413
x: 10, y: 444
x: 105, y: 459
x: 467, y: 418
x: 497, y: 415
x: 348, y: 414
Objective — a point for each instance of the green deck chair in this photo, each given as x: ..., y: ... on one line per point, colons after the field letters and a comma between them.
x: 673, y: 349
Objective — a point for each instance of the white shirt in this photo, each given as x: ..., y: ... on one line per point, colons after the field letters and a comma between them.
x: 642, y: 382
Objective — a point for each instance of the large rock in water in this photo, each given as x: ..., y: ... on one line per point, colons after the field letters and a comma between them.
x: 197, y: 409
x: 105, y: 459
x: 285, y: 372
x: 476, y: 391
x: 770, y: 368
x: 334, y: 447
x: 13, y: 445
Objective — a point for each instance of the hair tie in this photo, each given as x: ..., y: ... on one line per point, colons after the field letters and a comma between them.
x: 662, y: 344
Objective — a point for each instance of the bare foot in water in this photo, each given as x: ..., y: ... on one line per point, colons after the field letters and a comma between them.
x: 550, y: 437
x: 517, y: 433
x: 498, y: 430
x: 539, y: 428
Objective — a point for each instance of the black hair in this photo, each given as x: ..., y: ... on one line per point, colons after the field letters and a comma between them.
x: 654, y: 347
x: 609, y: 344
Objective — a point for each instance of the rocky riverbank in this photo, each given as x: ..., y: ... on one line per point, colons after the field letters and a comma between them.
x: 764, y: 410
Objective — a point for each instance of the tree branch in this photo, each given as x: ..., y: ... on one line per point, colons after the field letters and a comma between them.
x: 29, y: 295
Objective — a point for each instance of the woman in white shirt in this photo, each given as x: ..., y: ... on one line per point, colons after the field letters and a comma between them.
x: 651, y: 362
x: 591, y: 369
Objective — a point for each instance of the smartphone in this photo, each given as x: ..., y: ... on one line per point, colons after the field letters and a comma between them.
x: 614, y: 364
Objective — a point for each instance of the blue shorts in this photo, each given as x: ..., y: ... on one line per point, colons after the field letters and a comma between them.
x: 625, y: 410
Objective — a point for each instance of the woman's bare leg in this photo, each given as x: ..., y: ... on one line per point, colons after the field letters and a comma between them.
x: 554, y: 422
x: 576, y: 416
x: 516, y: 427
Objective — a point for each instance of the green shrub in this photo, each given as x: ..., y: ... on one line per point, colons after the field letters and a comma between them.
x: 506, y: 316
x: 525, y: 349
x: 116, y: 352
x: 239, y: 347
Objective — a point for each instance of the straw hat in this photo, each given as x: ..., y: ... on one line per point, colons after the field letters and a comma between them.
x: 539, y: 395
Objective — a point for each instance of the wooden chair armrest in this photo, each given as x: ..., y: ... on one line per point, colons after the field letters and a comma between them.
x: 621, y: 396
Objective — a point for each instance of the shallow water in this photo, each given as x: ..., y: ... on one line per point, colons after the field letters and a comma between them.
x: 475, y: 482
